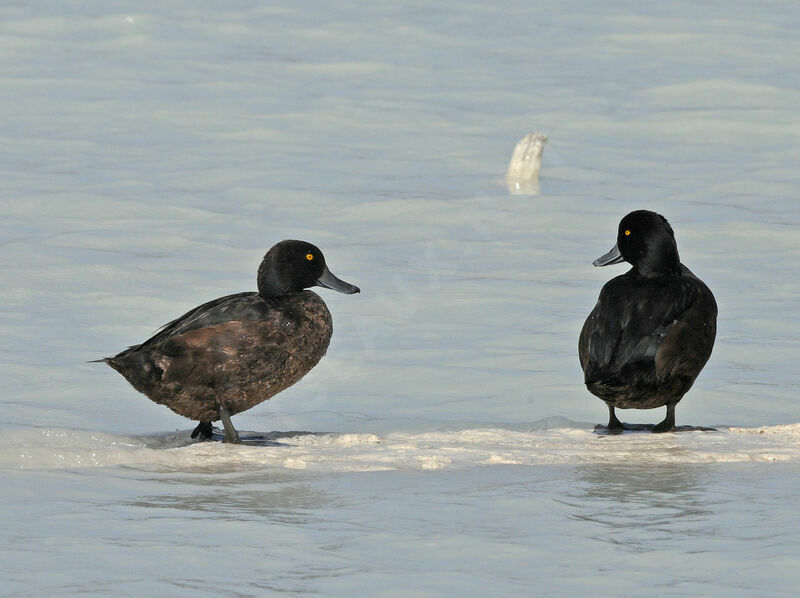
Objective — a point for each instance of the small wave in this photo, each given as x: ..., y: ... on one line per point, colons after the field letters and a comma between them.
x: 43, y: 448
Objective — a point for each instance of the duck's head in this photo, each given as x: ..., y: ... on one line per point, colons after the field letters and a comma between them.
x: 646, y: 241
x: 291, y: 266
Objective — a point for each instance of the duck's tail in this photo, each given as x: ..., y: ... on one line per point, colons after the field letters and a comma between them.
x: 109, y: 360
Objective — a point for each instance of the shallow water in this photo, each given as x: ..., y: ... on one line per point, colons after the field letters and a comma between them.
x: 151, y: 154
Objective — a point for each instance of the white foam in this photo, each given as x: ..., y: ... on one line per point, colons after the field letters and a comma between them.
x: 43, y: 448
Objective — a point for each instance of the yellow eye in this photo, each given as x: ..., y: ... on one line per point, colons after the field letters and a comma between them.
x: 309, y: 256
x: 627, y: 233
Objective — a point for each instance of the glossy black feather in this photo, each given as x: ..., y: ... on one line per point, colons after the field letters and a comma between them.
x: 647, y: 339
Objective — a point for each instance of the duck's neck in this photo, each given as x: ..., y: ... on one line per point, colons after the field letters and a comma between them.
x: 271, y: 284
x: 660, y: 260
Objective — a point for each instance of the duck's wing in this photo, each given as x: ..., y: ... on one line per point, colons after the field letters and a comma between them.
x: 240, y: 306
x: 204, y: 355
x: 238, y: 339
x: 246, y: 361
x: 653, y: 330
x: 601, y: 335
x: 687, y: 343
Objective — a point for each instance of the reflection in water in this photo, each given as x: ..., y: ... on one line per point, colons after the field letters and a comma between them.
x: 281, y: 500
x: 529, y: 188
x: 639, y: 504
x: 184, y: 438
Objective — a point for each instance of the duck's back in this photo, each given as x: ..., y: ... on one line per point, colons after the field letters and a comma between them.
x: 647, y: 339
x: 239, y: 350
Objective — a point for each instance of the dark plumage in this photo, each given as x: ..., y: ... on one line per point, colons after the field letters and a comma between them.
x: 232, y: 353
x: 653, y: 327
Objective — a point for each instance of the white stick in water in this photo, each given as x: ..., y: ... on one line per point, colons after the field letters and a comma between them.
x: 523, y: 170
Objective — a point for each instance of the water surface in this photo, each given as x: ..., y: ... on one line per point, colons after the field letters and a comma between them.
x: 152, y: 153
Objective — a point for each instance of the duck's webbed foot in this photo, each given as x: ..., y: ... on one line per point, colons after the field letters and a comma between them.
x: 668, y: 425
x: 231, y: 435
x: 203, y: 431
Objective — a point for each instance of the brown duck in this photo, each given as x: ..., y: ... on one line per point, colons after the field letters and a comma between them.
x: 232, y: 353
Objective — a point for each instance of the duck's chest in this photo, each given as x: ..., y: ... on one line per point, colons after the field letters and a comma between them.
x: 299, y: 322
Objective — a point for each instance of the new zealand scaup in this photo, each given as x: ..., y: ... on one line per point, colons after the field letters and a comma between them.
x: 232, y: 353
x: 652, y: 329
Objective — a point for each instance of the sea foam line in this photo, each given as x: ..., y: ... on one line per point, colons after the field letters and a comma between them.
x: 43, y: 448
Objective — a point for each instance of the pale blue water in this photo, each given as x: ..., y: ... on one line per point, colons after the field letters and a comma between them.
x: 151, y: 154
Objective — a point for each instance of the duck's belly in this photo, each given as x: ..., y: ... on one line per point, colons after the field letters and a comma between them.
x: 632, y: 396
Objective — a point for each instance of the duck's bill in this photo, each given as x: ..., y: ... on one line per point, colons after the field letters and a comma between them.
x: 329, y: 281
x: 612, y: 257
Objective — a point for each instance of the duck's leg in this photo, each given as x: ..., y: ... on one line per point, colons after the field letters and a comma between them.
x: 203, y: 431
x: 614, y: 425
x: 613, y: 422
x: 668, y: 425
x: 231, y: 435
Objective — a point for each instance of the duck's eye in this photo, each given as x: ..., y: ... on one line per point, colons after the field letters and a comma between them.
x: 627, y: 233
x: 309, y: 256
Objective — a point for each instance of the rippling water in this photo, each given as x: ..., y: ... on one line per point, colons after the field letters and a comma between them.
x: 152, y: 153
